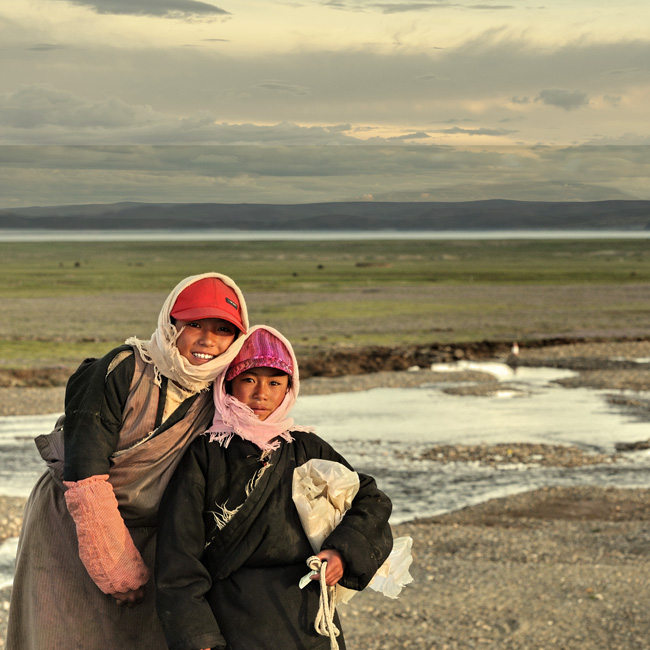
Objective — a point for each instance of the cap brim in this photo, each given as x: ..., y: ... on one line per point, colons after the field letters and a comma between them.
x: 258, y: 362
x: 199, y: 313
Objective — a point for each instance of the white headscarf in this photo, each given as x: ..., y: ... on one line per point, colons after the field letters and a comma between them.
x: 161, y: 351
x: 233, y: 417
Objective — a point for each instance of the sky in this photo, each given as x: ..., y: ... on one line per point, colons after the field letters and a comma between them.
x: 333, y: 100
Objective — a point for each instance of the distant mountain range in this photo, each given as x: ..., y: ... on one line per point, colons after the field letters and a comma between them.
x: 467, y: 215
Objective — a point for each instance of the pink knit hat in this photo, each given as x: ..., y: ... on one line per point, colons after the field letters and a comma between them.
x: 261, y: 349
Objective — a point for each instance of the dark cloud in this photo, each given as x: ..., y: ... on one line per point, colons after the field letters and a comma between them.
x: 466, y: 120
x: 387, y: 7
x: 406, y: 7
x: 283, y: 88
x: 46, y: 47
x: 490, y: 7
x: 569, y: 100
x: 418, y: 135
x: 160, y: 8
x: 344, y: 6
x: 51, y: 175
x: 393, y: 8
x: 377, y: 88
x: 615, y: 143
x: 482, y: 131
x: 628, y: 72
x: 43, y: 113
x: 38, y: 106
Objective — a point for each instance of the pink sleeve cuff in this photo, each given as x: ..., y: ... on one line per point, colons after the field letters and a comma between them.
x: 105, y: 545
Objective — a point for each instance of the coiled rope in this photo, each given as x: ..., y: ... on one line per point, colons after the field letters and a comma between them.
x: 324, y: 622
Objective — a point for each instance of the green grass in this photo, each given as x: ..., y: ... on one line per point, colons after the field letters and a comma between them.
x: 37, y: 269
x: 15, y: 354
x: 64, y: 301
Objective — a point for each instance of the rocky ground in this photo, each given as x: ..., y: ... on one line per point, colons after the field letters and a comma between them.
x: 551, y: 569
x: 561, y: 568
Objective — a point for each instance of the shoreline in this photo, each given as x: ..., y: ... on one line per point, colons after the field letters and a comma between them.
x: 616, y: 365
x: 598, y: 363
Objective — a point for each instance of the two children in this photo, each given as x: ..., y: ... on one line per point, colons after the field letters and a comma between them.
x: 86, y: 548
x: 231, y: 548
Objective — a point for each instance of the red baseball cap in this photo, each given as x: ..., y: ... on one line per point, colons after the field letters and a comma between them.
x: 208, y: 298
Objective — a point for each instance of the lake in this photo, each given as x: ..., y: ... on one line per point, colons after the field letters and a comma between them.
x: 36, y: 235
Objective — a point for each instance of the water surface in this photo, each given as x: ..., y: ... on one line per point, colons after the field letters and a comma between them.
x: 42, y: 235
x: 384, y: 431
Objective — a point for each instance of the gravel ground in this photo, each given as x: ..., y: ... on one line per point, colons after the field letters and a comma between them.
x: 554, y: 568
x: 551, y: 569
x: 557, y: 568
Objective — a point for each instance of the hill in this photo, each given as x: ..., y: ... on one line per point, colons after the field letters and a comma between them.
x: 467, y: 215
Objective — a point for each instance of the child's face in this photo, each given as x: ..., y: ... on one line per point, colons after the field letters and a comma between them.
x: 261, y: 389
x: 203, y: 340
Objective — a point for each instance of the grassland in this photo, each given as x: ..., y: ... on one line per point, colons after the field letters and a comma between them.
x: 64, y: 301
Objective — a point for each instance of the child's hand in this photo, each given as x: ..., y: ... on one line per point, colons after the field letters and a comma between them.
x: 335, y: 566
x: 129, y: 598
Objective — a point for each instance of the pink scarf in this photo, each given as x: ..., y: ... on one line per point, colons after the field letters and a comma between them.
x: 231, y: 417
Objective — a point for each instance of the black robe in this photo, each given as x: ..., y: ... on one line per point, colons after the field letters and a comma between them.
x: 238, y: 587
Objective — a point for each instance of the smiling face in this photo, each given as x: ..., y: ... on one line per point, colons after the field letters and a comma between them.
x: 262, y: 389
x: 202, y: 340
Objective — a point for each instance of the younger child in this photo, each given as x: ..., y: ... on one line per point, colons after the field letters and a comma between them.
x: 231, y: 548
x: 88, y: 534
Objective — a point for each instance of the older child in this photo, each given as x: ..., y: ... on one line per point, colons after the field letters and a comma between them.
x: 231, y: 548
x: 88, y: 539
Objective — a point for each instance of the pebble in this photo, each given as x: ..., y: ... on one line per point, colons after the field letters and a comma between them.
x: 516, y: 453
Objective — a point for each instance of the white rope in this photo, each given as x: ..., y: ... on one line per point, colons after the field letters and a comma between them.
x: 324, y: 622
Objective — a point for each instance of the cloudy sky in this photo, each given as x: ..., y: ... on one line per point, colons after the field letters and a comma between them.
x: 305, y: 101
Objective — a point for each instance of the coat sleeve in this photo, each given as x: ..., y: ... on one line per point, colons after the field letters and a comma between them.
x: 95, y: 397
x: 105, y: 544
x: 182, y: 581
x: 363, y: 537
x: 94, y: 401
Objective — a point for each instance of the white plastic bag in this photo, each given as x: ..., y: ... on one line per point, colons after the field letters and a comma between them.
x: 323, y: 491
x: 393, y: 574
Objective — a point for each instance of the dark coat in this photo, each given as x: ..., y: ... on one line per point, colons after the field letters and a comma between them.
x: 112, y: 426
x: 238, y: 587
